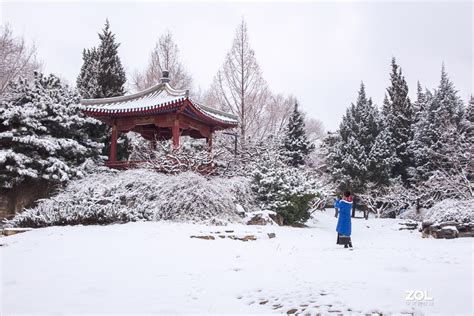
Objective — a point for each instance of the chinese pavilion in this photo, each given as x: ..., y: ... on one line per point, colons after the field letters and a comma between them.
x: 157, y: 113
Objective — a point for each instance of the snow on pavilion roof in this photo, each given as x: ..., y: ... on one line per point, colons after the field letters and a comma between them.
x: 161, y: 98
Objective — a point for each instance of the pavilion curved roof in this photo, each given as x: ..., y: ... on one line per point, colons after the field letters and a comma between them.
x: 160, y: 98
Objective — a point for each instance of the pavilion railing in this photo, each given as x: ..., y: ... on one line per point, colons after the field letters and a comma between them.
x: 168, y: 166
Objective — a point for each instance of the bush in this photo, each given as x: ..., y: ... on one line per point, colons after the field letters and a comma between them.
x: 296, y: 210
x: 284, y: 189
x: 140, y: 195
x: 451, y: 210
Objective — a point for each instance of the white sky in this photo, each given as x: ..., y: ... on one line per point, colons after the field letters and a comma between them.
x: 318, y: 51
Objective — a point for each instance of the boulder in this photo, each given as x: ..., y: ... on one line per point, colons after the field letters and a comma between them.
x: 257, y: 220
x: 277, y: 218
x: 447, y: 232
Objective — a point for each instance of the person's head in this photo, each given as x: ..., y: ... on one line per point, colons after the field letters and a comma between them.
x: 347, y: 195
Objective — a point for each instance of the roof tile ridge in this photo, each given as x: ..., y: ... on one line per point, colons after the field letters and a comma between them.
x: 123, y: 98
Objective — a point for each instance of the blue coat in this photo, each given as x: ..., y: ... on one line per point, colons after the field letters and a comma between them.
x: 344, y: 220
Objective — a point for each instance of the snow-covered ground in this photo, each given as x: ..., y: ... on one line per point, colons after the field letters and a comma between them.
x: 157, y: 268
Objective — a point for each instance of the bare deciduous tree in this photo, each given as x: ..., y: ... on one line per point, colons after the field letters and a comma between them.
x: 314, y: 128
x: 165, y: 56
x: 17, y: 59
x: 274, y: 120
x: 239, y: 87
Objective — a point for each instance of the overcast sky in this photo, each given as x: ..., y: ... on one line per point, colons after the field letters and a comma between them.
x: 319, y: 52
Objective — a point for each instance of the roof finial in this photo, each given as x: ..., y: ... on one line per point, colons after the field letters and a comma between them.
x: 165, y: 76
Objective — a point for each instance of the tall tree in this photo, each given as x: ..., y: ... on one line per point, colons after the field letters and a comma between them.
x: 398, y: 118
x: 239, y: 87
x: 87, y: 80
x: 352, y: 155
x: 165, y: 56
x: 110, y: 74
x: 17, y: 59
x: 102, y: 76
x: 275, y: 117
x: 296, y: 147
x: 441, y: 131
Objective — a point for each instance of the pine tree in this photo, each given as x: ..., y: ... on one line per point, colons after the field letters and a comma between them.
x: 42, y: 133
x: 353, y: 157
x: 102, y: 76
x: 296, y: 146
x: 283, y: 189
x: 110, y: 74
x: 86, y: 83
x: 398, y: 118
x: 440, y: 132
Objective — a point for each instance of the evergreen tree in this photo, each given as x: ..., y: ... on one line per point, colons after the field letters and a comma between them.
x: 398, y: 119
x: 110, y: 74
x: 420, y: 104
x: 42, y: 133
x: 86, y: 83
x: 353, y: 157
x: 283, y: 189
x: 102, y: 76
x: 440, y: 134
x: 296, y: 146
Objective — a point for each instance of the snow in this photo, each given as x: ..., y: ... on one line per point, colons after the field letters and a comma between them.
x: 139, y: 194
x: 451, y: 210
x: 155, y: 267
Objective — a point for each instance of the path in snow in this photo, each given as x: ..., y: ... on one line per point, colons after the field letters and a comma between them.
x: 157, y: 268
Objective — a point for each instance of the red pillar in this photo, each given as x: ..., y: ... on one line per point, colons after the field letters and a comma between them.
x: 209, y: 142
x: 175, y: 131
x: 153, y: 144
x: 113, y: 144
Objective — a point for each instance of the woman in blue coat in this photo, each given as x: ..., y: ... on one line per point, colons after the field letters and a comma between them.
x: 343, y: 227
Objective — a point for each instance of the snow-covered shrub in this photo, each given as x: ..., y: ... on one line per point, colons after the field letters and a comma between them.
x: 192, y: 155
x: 387, y: 201
x: 284, y: 189
x: 139, y: 195
x: 460, y: 211
x: 241, y: 191
x: 43, y: 134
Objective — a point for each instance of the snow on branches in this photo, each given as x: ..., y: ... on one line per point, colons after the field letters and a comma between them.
x: 42, y: 132
x: 141, y: 195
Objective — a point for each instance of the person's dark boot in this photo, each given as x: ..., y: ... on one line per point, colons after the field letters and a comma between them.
x: 350, y: 244
x: 346, y: 246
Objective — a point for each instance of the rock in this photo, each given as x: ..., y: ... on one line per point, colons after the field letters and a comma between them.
x: 277, y: 218
x: 447, y: 232
x: 257, y: 220
x: 204, y: 237
x: 426, y: 224
x: 450, y: 223
x: 466, y: 234
x: 247, y: 238
x: 271, y: 235
x: 291, y: 311
x: 408, y: 226
x: 13, y: 231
